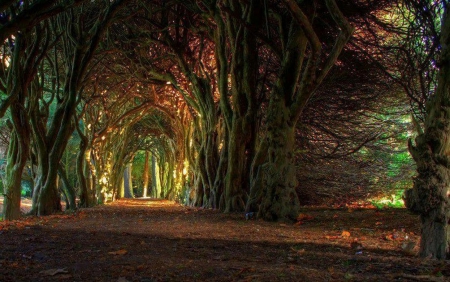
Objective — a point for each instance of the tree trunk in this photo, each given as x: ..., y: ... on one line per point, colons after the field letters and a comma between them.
x: 256, y: 186
x: 12, y: 190
x: 128, y: 182
x: 279, y: 196
x: 235, y: 179
x: 211, y: 164
x: 219, y: 182
x: 91, y: 177
x: 430, y: 194
x: 156, y: 181
x: 146, y: 175
x: 68, y: 190
x: 49, y: 200
x: 83, y: 159
x: 18, y: 80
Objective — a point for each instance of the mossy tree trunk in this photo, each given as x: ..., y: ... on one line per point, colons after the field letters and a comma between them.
x: 79, y: 49
x: 67, y: 188
x: 241, y: 121
x: 83, y: 162
x: 430, y: 194
x: 279, y: 199
x: 128, y: 181
x: 16, y: 160
x: 25, y: 58
x: 156, y: 177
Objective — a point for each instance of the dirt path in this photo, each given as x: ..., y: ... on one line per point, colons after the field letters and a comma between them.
x: 143, y: 240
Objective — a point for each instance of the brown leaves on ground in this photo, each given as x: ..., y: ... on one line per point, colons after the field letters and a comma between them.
x: 119, y: 252
x: 152, y: 240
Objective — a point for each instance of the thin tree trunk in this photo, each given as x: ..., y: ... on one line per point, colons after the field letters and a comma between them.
x: 128, y: 182
x: 219, y: 182
x: 146, y: 175
x: 68, y: 190
x: 235, y: 180
x: 83, y: 156
x: 156, y: 178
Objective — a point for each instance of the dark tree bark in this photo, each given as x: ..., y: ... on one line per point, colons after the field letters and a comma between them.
x: 242, y: 121
x: 83, y: 162
x: 25, y: 58
x: 67, y: 189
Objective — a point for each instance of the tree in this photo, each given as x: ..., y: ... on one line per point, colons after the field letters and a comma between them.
x: 352, y: 133
x: 408, y: 49
x: 27, y: 49
x: 430, y: 194
x: 77, y: 49
x: 277, y: 177
x: 145, y: 175
x: 19, y: 15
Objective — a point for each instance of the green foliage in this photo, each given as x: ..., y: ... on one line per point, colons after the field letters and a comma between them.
x: 395, y: 160
x: 138, y: 171
x: 26, y: 188
x: 393, y: 201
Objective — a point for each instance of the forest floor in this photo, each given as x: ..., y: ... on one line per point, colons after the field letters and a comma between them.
x: 155, y: 240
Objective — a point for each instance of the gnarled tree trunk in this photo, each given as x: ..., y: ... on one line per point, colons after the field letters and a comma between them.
x: 67, y: 188
x: 295, y: 85
x: 279, y: 196
x: 430, y: 194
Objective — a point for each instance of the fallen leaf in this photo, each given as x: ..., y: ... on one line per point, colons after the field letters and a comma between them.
x: 54, y: 271
x: 345, y: 234
x: 304, y: 217
x: 141, y: 267
x: 119, y: 252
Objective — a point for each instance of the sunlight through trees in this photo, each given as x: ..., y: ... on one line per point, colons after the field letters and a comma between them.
x: 242, y: 106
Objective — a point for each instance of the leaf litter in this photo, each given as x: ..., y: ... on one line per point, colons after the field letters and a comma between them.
x: 156, y: 240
